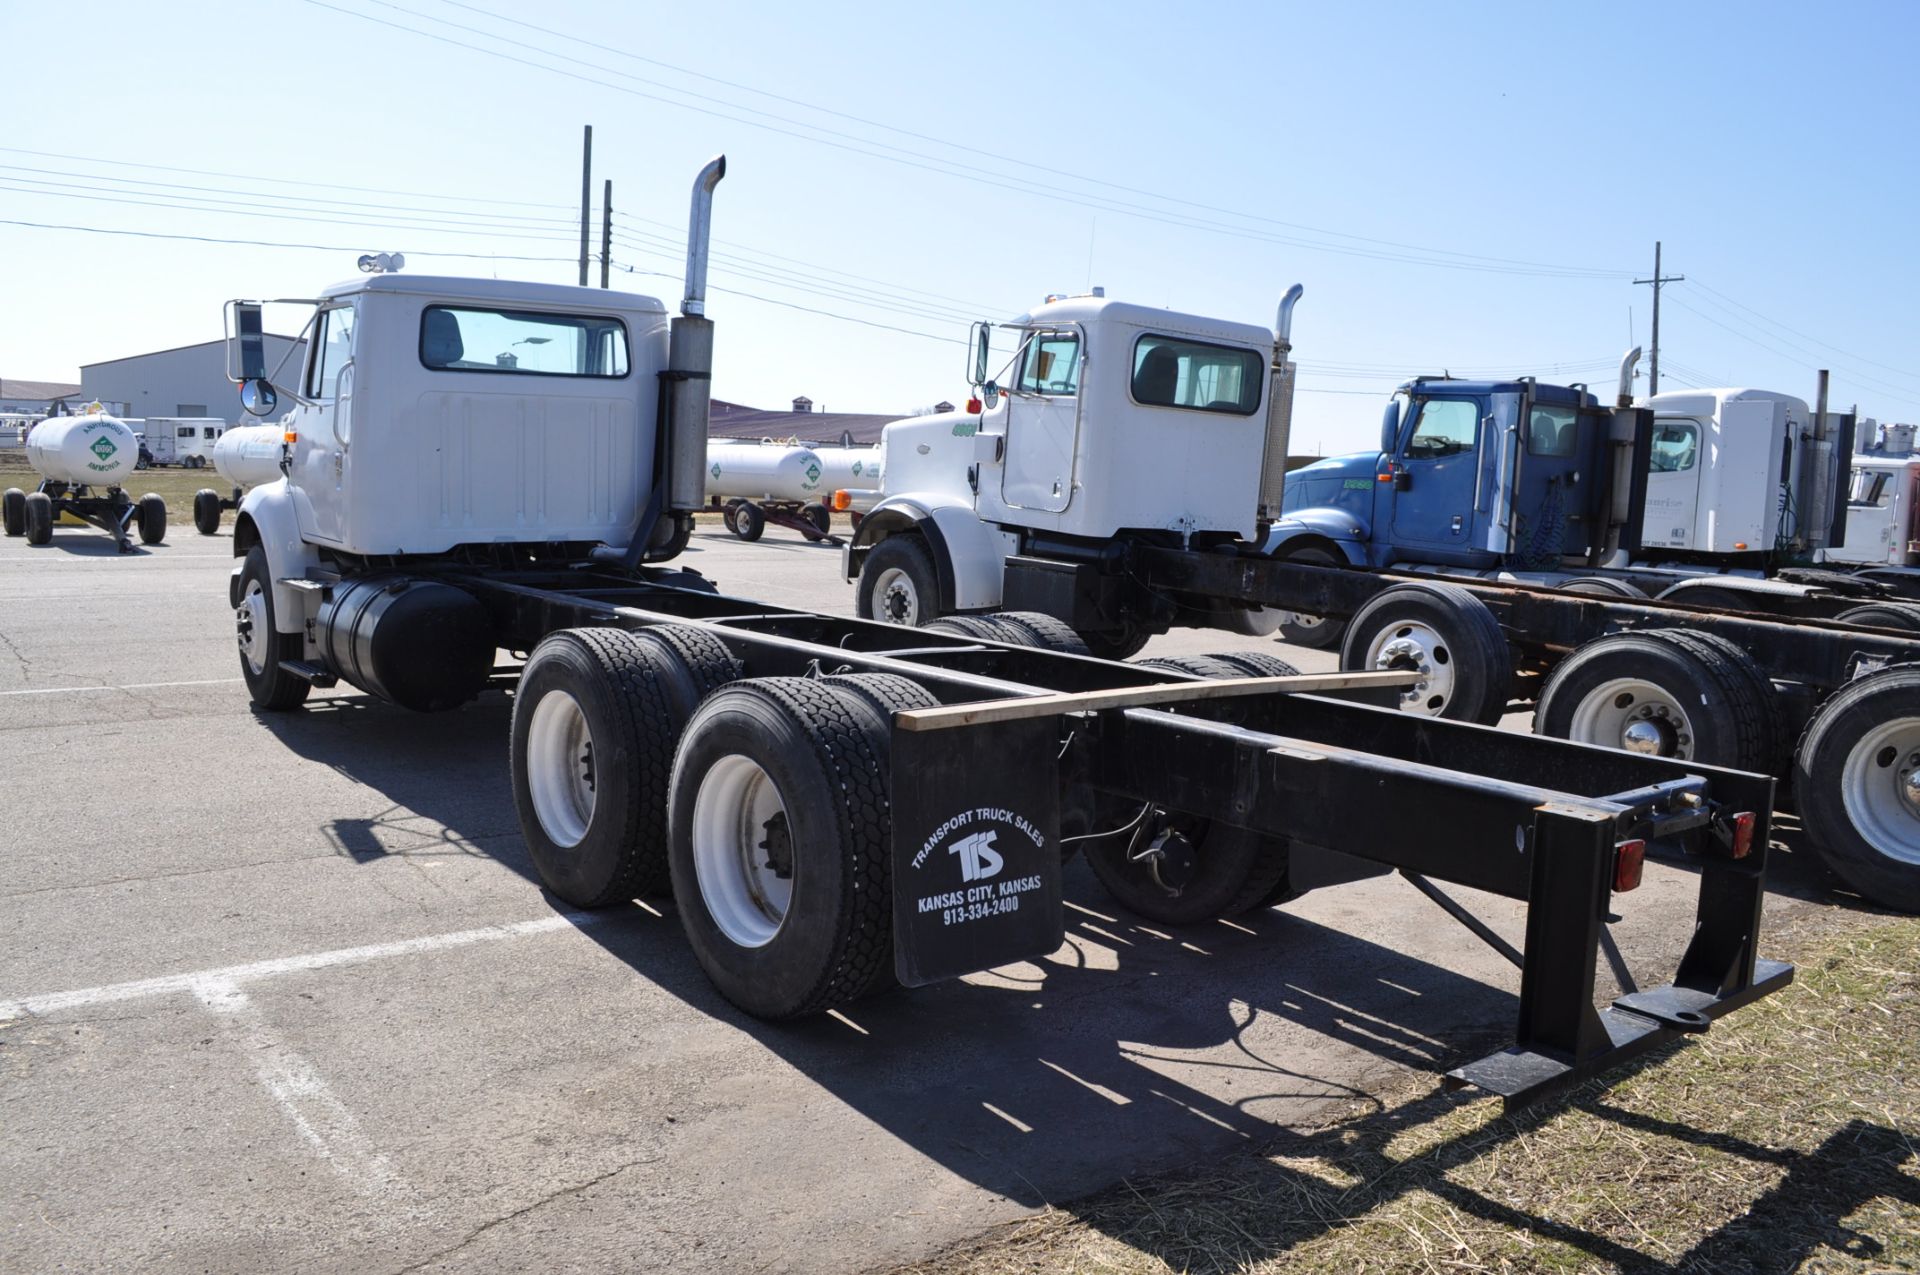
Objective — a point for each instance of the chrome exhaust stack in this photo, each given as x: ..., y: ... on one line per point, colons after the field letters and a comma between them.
x: 690, y: 362
x: 1628, y: 361
x: 1273, y: 461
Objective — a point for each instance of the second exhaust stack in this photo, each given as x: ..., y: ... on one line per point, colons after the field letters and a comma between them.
x: 690, y: 358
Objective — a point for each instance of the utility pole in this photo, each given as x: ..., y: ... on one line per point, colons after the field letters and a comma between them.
x: 1653, y: 363
x: 606, y: 232
x: 586, y: 200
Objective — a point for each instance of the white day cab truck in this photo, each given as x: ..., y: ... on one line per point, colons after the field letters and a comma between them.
x: 1131, y: 473
x: 841, y: 806
x: 82, y: 462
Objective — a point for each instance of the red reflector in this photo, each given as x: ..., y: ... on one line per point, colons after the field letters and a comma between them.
x: 973, y: 407
x: 1742, y: 834
x: 1628, y: 858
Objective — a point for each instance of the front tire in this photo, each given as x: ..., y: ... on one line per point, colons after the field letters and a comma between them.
x: 13, y: 511
x: 1857, y: 782
x: 1315, y: 632
x: 781, y: 838
x: 262, y: 646
x: 898, y: 584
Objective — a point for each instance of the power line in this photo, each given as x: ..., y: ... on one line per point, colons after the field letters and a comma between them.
x: 278, y: 181
x: 998, y: 158
x: 1802, y: 358
x: 1772, y: 322
x: 263, y: 243
x: 933, y: 164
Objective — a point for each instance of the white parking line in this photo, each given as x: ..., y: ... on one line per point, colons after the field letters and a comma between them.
x: 132, y: 686
x: 323, y: 1121
x: 234, y: 975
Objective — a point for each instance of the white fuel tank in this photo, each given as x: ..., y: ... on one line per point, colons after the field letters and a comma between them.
x: 769, y: 471
x: 849, y: 467
x: 96, y: 450
x: 249, y: 455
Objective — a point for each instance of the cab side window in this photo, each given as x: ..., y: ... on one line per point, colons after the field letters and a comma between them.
x: 1675, y: 447
x: 1052, y: 365
x: 1446, y: 426
x: 332, y: 349
x: 1552, y: 431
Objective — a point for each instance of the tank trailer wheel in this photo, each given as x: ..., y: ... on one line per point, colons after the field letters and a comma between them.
x: 1665, y: 693
x: 898, y: 584
x: 13, y: 511
x: 1857, y: 776
x: 780, y: 842
x: 730, y: 515
x: 1315, y: 632
x: 262, y: 647
x: 151, y: 517
x: 749, y: 521
x: 206, y: 511
x: 819, y: 516
x: 38, y: 516
x: 1444, y: 633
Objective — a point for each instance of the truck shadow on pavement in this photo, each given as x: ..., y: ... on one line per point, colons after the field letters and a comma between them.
x: 1132, y: 1051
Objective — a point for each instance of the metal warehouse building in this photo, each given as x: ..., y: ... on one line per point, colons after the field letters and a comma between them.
x: 189, y: 380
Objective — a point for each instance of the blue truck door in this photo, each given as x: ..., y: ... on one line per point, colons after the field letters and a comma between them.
x: 1555, y: 485
x: 1433, y: 502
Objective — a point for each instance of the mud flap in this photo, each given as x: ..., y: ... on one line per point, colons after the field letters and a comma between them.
x: 976, y: 848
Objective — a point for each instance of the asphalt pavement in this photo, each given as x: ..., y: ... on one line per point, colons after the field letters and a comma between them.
x: 279, y: 992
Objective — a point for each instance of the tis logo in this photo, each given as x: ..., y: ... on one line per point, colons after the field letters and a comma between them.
x: 978, y: 859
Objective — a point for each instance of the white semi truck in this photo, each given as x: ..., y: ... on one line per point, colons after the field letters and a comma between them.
x: 841, y: 806
x: 1130, y: 475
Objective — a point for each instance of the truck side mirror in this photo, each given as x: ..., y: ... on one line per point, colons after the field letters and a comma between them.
x: 979, y: 343
x: 257, y: 396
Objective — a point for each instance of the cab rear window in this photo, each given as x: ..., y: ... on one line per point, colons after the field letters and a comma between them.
x: 522, y: 342
x: 1169, y: 372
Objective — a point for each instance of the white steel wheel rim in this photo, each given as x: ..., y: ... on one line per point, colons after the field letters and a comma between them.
x: 251, y: 624
x: 1880, y: 786
x: 1301, y: 620
x: 733, y: 860
x: 560, y: 769
x: 1416, y: 647
x: 899, y: 601
x: 1634, y: 714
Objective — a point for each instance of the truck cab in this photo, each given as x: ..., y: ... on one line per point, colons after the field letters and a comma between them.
x: 1474, y: 474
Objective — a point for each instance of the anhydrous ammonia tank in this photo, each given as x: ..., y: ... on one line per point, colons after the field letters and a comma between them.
x: 249, y: 455
x: 94, y: 451
x: 849, y: 467
x: 765, y: 471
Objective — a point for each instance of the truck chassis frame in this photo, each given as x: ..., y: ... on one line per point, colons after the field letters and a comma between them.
x: 1057, y: 733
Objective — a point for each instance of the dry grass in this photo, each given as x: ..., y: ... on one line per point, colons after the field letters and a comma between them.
x: 175, y: 486
x: 1782, y: 1140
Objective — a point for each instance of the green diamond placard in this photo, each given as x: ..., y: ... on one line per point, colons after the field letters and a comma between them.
x: 103, y: 447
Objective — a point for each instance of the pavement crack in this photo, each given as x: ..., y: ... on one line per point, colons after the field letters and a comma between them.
x: 26, y: 668
x: 523, y: 1210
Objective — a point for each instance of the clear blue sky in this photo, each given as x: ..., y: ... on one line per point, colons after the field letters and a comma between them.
x: 1350, y: 147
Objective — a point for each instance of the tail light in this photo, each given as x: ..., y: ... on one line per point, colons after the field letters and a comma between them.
x: 1629, y: 857
x: 1742, y: 825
